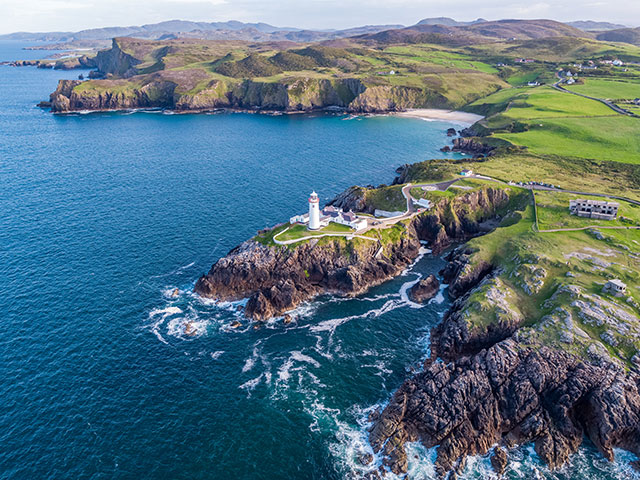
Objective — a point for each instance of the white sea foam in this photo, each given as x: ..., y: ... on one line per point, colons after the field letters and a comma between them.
x: 188, y: 327
x: 250, y: 385
x: 217, y: 354
x: 163, y: 313
x: 331, y: 325
x: 284, y: 372
x: 249, y: 363
x: 439, y: 298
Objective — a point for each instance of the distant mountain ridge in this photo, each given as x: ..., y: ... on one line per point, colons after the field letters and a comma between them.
x: 476, y: 32
x: 625, y: 35
x: 592, y: 26
x: 231, y: 30
x: 449, y: 22
x: 438, y: 29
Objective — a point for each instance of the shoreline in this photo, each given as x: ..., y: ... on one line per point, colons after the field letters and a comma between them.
x: 428, y: 114
x: 453, y: 116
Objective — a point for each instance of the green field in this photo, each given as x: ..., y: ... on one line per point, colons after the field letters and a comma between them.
x: 537, y: 268
x: 553, y: 212
x: 300, y: 231
x: 614, y: 138
x: 546, y: 102
x: 609, y: 89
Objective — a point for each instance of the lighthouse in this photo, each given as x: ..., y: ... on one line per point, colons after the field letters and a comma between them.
x: 314, y: 212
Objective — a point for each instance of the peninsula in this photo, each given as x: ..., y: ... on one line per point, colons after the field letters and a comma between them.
x: 540, y: 224
x: 542, y: 344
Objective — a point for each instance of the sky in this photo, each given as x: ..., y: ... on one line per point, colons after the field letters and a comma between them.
x: 73, y: 15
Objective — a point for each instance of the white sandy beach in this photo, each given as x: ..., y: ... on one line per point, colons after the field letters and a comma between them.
x: 437, y: 114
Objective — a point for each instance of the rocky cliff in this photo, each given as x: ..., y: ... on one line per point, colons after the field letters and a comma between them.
x: 115, y: 61
x: 508, y: 395
x: 166, y: 90
x: 277, y: 278
x: 501, y: 388
x: 72, y: 96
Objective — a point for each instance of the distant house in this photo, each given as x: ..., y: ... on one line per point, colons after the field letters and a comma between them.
x: 350, y: 220
x: 392, y: 72
x: 597, y: 209
x: 423, y: 202
x: 299, y: 219
x: 466, y: 173
x: 533, y: 84
x: 330, y: 211
x: 525, y: 60
x: 617, y: 63
x: 571, y: 81
x: 615, y: 287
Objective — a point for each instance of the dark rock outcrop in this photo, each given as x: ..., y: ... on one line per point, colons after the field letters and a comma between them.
x: 472, y: 146
x: 353, y: 199
x: 498, y: 388
x: 116, y: 61
x: 424, y: 290
x: 511, y: 394
x: 279, y: 279
x: 154, y: 94
x: 499, y: 460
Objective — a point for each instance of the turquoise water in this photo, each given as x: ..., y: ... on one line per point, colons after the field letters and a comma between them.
x: 103, y: 215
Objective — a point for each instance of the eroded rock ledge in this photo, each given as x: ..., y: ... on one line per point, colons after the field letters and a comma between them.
x: 503, y: 389
x: 276, y: 279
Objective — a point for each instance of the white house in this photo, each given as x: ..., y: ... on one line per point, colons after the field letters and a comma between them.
x: 423, y: 202
x: 350, y: 220
x: 615, y: 287
x: 466, y: 173
x: 299, y: 219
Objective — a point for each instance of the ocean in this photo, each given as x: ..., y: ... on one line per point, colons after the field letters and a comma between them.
x: 104, y: 215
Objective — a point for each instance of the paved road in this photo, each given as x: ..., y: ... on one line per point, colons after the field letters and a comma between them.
x: 588, y: 228
x: 577, y: 192
x: 310, y: 237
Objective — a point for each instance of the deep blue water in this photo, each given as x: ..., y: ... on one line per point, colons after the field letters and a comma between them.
x: 103, y: 215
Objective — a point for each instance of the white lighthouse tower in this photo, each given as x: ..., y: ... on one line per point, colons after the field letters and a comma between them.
x: 314, y: 211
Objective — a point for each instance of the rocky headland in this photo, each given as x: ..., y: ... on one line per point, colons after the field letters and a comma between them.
x: 278, y: 278
x: 195, y: 76
x: 500, y: 387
